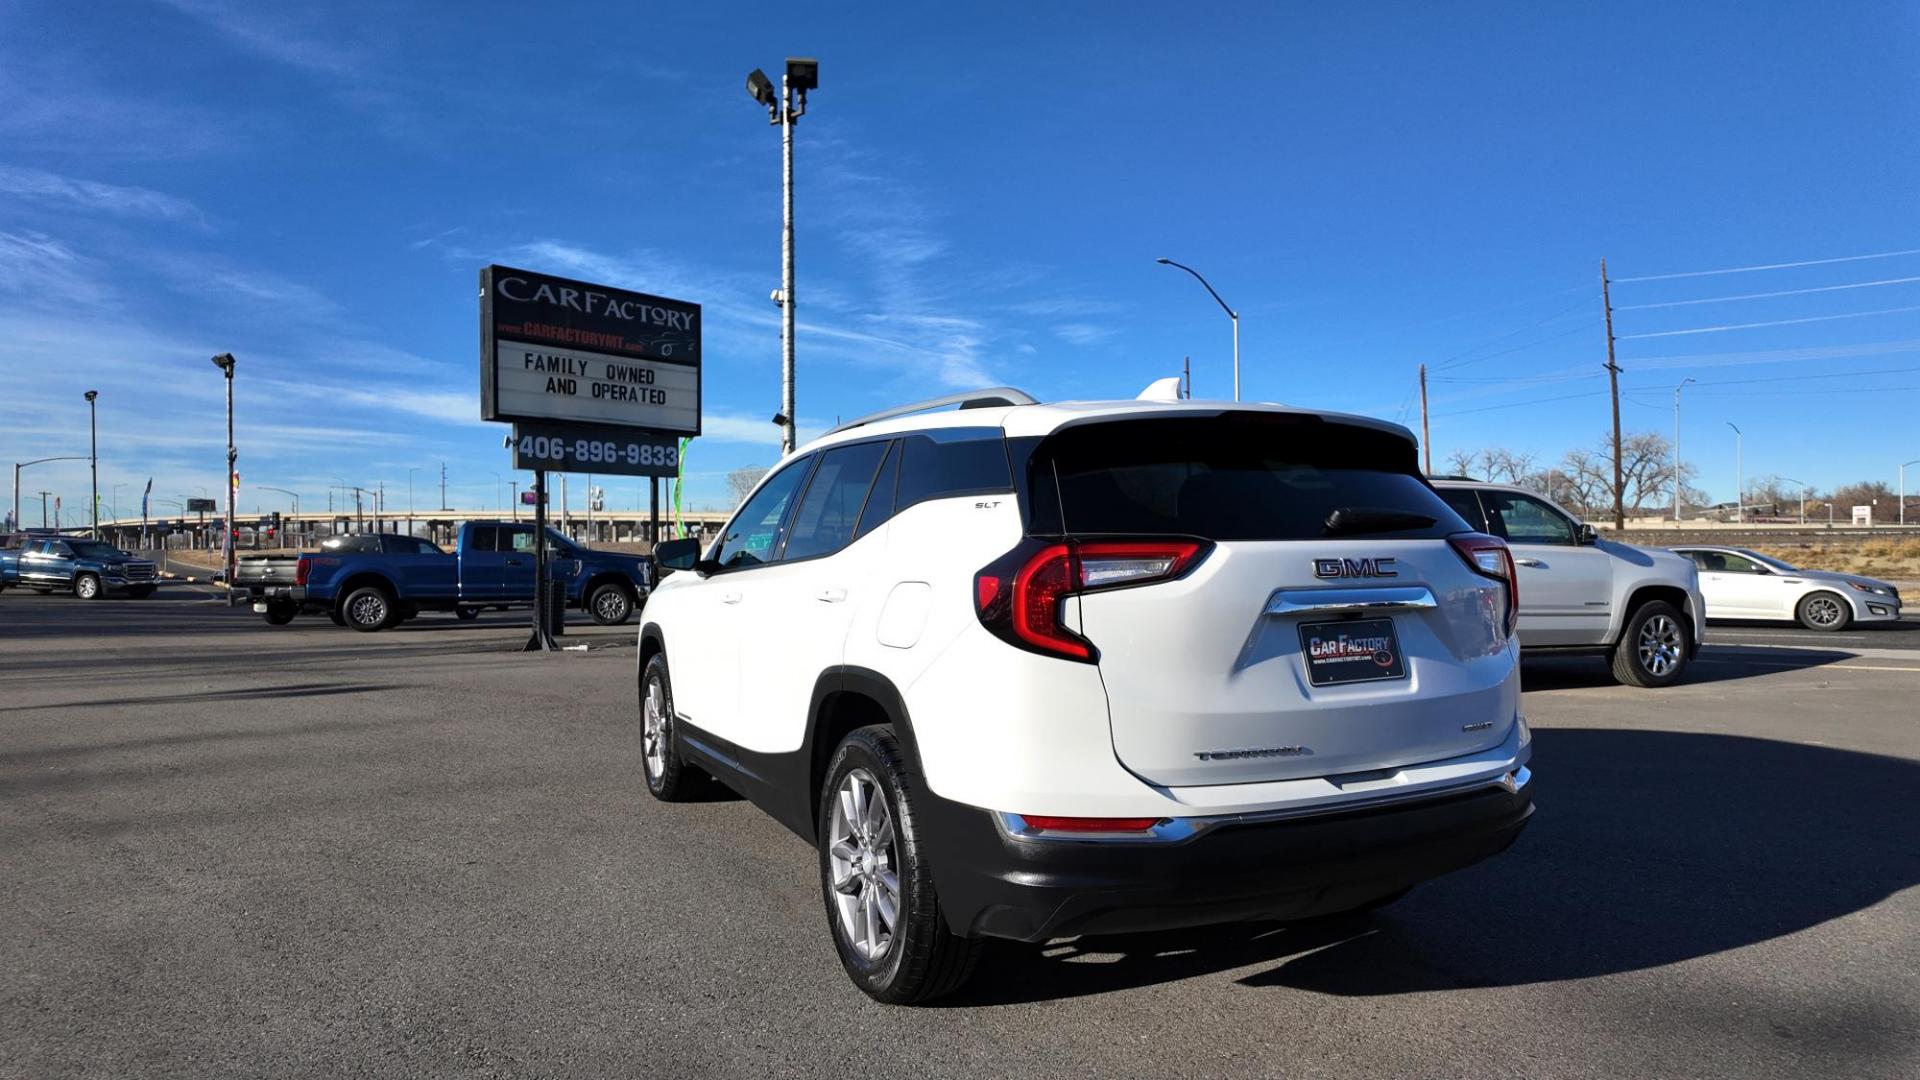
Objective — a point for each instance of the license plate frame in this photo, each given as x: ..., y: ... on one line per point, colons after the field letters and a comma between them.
x: 1350, y: 651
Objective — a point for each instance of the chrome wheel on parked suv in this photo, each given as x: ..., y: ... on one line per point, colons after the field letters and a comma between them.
x: 1654, y: 646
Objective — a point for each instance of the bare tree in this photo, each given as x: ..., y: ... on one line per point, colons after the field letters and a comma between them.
x: 1503, y: 466
x: 1460, y: 462
x: 1584, y: 481
x: 741, y: 481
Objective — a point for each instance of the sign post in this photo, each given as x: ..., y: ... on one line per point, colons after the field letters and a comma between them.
x: 592, y: 378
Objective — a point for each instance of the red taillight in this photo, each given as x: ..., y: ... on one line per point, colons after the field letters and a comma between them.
x: 1044, y: 575
x: 1489, y: 556
x: 1037, y: 823
x: 301, y: 569
x: 1039, y: 587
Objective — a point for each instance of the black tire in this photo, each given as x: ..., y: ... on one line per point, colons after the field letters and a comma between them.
x: 1653, y: 647
x: 466, y: 614
x: 338, y: 619
x: 87, y: 587
x: 368, y: 609
x: 669, y: 777
x: 922, y: 959
x: 1824, y: 611
x: 140, y: 592
x: 611, y: 604
x: 280, y: 614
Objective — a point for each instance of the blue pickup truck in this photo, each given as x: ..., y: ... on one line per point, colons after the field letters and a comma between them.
x: 373, y: 587
x: 90, y: 569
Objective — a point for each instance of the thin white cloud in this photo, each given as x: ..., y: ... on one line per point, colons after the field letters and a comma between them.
x: 298, y: 35
x: 1081, y: 333
x: 113, y: 199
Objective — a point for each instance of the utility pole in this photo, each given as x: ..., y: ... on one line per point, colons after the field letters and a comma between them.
x: 43, y: 508
x: 443, y: 485
x: 1426, y: 440
x: 1186, y: 377
x: 1613, y: 383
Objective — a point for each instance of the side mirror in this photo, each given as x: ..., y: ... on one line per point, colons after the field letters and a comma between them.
x: 1585, y: 535
x: 670, y: 555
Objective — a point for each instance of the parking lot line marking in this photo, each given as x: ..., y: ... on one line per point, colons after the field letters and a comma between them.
x: 1804, y: 667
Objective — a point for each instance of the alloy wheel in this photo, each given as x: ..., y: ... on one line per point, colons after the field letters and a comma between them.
x: 610, y: 605
x: 369, y: 611
x: 1824, y: 611
x: 653, y: 728
x: 863, y: 852
x: 1659, y: 645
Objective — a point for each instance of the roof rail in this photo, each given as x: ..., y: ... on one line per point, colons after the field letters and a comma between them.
x: 1444, y: 476
x: 967, y: 399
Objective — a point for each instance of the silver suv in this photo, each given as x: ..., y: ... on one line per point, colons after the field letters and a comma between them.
x: 1640, y: 607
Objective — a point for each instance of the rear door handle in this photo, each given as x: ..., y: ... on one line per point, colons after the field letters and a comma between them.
x: 516, y: 562
x: 730, y: 597
x: 1529, y: 562
x: 831, y: 596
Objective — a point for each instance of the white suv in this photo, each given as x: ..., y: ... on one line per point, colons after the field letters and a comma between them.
x: 1028, y: 671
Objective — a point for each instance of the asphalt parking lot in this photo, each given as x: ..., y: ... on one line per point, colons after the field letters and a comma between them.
x: 237, y: 850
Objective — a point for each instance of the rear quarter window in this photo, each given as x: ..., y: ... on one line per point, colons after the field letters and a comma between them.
x: 1240, y: 476
x: 944, y: 462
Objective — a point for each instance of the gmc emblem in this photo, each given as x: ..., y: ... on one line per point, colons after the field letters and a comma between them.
x: 1339, y: 568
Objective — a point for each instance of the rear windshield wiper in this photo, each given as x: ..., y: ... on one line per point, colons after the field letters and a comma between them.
x: 1349, y: 520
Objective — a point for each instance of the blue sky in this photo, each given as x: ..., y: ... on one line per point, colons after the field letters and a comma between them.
x: 983, y: 190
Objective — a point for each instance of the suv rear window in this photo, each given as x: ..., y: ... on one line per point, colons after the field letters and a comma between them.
x: 1245, y: 476
x: 941, y: 462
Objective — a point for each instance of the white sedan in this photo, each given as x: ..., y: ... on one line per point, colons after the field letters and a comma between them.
x: 1742, y: 584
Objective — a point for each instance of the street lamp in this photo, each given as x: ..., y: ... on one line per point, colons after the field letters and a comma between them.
x: 1803, y: 496
x: 785, y: 108
x: 93, y: 455
x: 1739, y: 477
x: 1231, y: 314
x: 1903, y: 488
x: 17, y: 466
x: 225, y: 363
x: 1676, y: 447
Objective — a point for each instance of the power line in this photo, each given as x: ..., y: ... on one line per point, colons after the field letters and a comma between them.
x: 1798, y: 378
x: 1769, y: 295
x: 1456, y: 359
x: 1456, y: 362
x: 1774, y: 322
x: 1520, y: 404
x: 1774, y: 356
x: 1768, y: 266
x: 1839, y: 390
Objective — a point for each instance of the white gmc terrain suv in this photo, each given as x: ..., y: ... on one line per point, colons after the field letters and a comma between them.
x: 1029, y: 671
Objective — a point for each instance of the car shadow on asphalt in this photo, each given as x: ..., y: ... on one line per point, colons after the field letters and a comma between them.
x: 1649, y: 848
x: 1721, y: 665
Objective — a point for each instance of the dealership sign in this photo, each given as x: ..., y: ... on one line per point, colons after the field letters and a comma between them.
x: 558, y: 350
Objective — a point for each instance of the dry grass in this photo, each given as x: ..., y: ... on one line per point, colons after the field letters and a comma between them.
x: 1888, y: 558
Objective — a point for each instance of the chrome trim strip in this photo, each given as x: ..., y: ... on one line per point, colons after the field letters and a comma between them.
x: 1173, y: 830
x: 1350, y: 600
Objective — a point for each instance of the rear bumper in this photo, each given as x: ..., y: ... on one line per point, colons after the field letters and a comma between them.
x: 1209, y: 870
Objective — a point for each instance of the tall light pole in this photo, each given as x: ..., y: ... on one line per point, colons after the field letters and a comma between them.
x: 17, y: 466
x: 1676, y: 447
x: 1803, y: 496
x: 225, y: 363
x: 1231, y: 314
x: 1903, y: 488
x: 93, y: 455
x: 1739, y: 476
x: 784, y: 109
